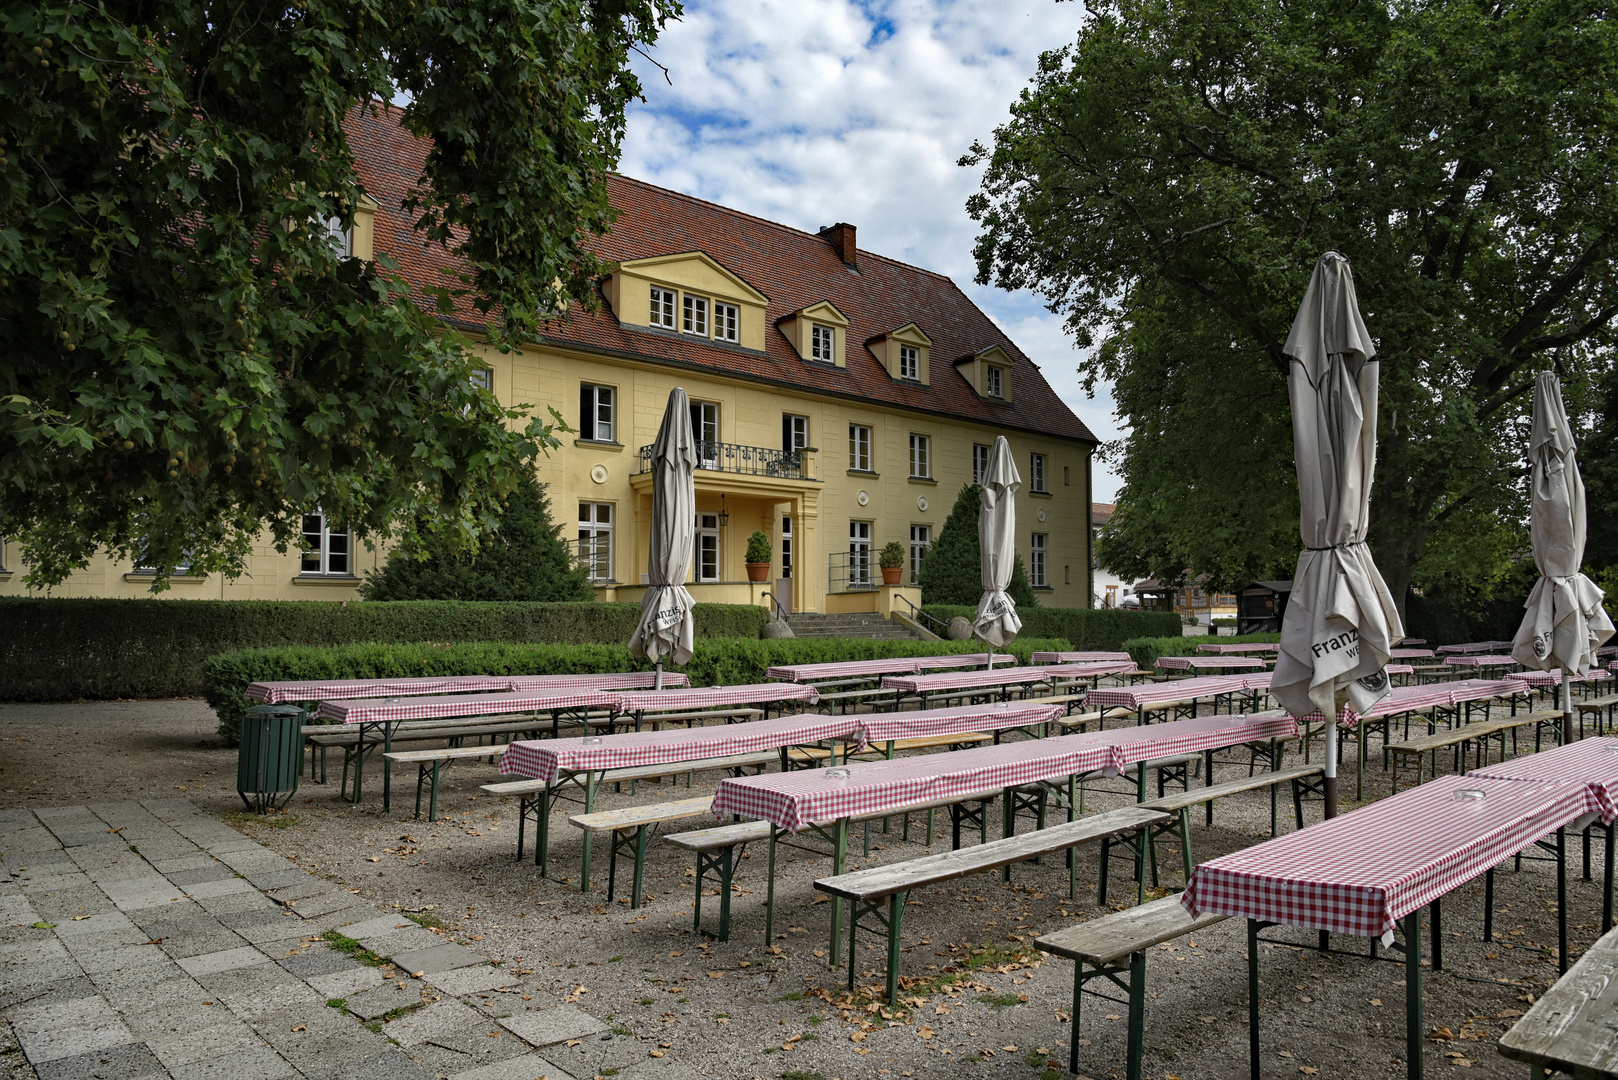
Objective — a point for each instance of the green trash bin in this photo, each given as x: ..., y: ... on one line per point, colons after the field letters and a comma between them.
x: 271, y: 756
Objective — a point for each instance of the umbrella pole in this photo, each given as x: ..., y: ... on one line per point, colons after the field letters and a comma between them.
x: 1567, y: 707
x: 657, y: 684
x: 1331, y: 767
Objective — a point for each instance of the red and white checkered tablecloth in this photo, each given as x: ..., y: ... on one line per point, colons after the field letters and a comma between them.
x: 272, y: 693
x: 384, y: 710
x: 545, y: 759
x: 961, y: 660
x: 1180, y: 737
x: 921, y: 724
x: 711, y: 697
x: 1400, y: 669
x: 1553, y: 677
x: 1361, y: 872
x: 1475, y: 647
x: 848, y: 669
x: 1133, y: 697
x: 1257, y: 680
x: 1478, y: 689
x: 1588, y: 761
x: 795, y: 799
x: 1410, y: 654
x: 1480, y: 660
x: 1401, y: 699
x: 1193, y: 663
x: 1080, y: 658
x: 945, y: 681
x: 1093, y: 669
x: 1245, y: 647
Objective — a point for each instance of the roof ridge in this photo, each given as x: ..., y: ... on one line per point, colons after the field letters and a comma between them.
x: 731, y: 210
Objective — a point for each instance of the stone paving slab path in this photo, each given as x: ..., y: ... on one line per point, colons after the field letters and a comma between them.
x: 149, y: 940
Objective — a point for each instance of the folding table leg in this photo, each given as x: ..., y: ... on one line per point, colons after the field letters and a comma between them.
x: 1414, y: 1049
x: 640, y: 868
x: 1252, y: 999
x: 1561, y: 901
x: 1606, y: 892
x: 1073, y: 1036
x: 1185, y: 841
x: 839, y: 858
x: 432, y: 799
x: 591, y: 780
x: 1137, y: 1015
x: 542, y: 832
x: 1488, y: 904
x: 769, y: 890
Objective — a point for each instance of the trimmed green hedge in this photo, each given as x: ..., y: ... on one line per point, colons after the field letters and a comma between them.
x: 1086, y: 628
x: 68, y: 649
x: 718, y: 661
x: 1145, y: 650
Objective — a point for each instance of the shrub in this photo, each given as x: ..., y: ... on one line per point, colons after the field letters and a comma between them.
x: 891, y: 556
x: 758, y: 547
x: 1086, y: 628
x: 68, y: 649
x: 718, y: 661
x: 951, y: 572
x: 1145, y: 650
x: 524, y: 560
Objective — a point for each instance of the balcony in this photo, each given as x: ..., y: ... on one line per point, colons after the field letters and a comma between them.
x: 746, y: 460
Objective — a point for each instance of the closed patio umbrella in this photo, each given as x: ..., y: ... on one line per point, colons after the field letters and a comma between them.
x: 666, y: 629
x: 996, y: 621
x: 1565, y: 623
x: 1340, y: 619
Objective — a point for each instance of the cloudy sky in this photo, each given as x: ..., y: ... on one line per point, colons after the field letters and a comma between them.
x: 810, y: 112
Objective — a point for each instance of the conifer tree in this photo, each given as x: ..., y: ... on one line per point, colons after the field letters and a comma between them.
x: 950, y: 573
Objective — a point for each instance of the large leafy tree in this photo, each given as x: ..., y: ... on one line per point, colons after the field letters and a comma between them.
x: 1169, y: 180
x: 190, y: 358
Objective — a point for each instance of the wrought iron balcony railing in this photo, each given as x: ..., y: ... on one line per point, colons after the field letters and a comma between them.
x: 735, y: 458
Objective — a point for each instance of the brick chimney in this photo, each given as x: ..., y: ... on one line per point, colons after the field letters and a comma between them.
x: 841, y: 238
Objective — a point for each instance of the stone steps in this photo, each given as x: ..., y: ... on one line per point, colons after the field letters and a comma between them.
x: 859, y: 625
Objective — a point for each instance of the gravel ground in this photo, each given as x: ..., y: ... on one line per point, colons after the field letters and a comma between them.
x: 747, y: 1008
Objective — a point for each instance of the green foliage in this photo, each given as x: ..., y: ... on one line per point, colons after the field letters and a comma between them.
x: 892, y: 555
x: 1145, y: 650
x: 951, y: 572
x: 758, y: 547
x: 523, y: 559
x: 718, y: 661
x: 1085, y: 628
x: 1459, y: 612
x: 64, y: 650
x: 190, y: 358
x: 1169, y: 180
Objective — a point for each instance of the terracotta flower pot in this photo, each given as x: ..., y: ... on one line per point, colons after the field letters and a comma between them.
x: 758, y: 571
x: 892, y: 574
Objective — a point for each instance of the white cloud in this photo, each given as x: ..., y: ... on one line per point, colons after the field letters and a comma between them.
x: 810, y: 112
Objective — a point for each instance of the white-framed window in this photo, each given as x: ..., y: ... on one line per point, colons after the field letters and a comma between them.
x: 326, y: 548
x: 859, y: 447
x: 921, y: 456
x: 794, y: 432
x: 180, y: 569
x: 727, y: 322
x: 662, y: 313
x: 859, y: 553
x: 921, y: 538
x: 705, y: 426
x: 909, y: 362
x: 694, y: 316
x: 822, y: 341
x: 483, y: 379
x: 980, y: 462
x: 786, y: 546
x: 1036, y: 472
x: 1036, y: 560
x: 595, y: 540
x: 992, y: 384
x: 597, y: 412
x: 707, y: 547
x: 340, y: 239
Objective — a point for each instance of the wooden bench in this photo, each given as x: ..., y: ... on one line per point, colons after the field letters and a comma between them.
x: 628, y: 827
x: 535, y: 796
x: 1114, y: 948
x: 1180, y: 804
x: 701, y: 716
x: 1569, y: 1029
x: 1603, y: 708
x: 880, y: 892
x: 1457, y: 738
x: 322, y: 737
x: 843, y: 700
x: 429, y: 765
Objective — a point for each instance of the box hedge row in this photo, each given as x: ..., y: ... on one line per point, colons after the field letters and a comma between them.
x: 718, y: 661
x: 1086, y: 628
x: 68, y: 649
x: 1145, y: 650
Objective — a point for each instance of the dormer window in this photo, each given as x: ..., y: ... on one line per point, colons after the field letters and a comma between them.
x: 726, y: 322
x: 992, y: 382
x: 340, y: 239
x: 823, y: 345
x: 909, y: 362
x: 662, y: 309
x: 694, y: 318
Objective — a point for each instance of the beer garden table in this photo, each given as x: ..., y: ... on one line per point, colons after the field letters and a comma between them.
x: 1475, y: 647
x: 1410, y: 654
x: 1137, y: 697
x: 1209, y: 663
x: 959, y: 684
x: 1240, y: 647
x: 1372, y: 870
x: 638, y: 703
x: 273, y: 693
x: 896, y: 665
x: 1091, y: 657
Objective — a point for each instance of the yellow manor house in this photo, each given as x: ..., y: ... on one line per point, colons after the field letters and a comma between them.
x: 841, y: 398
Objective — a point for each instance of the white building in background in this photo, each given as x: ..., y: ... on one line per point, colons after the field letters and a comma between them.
x: 1110, y: 590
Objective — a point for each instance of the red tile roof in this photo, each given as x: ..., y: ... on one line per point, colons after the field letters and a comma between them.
x: 794, y: 269
x: 1101, y: 513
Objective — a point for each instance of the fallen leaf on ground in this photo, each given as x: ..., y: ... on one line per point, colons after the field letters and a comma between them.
x: 1308, y: 1070
x: 656, y: 1053
x: 1377, y: 1002
x: 1441, y: 1034
x: 716, y: 974
x: 574, y: 1042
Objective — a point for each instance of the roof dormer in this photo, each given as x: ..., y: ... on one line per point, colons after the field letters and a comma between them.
x: 819, y: 333
x: 689, y: 294
x: 904, y: 353
x: 989, y: 372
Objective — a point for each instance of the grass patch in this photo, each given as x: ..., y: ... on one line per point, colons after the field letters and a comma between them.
x: 614, y: 959
x: 648, y: 1001
x: 816, y: 1019
x: 621, y: 1030
x: 427, y: 919
x: 275, y: 819
x: 1000, y: 1001
x: 353, y: 949
x: 794, y: 996
x: 338, y: 1003
x: 611, y: 1072
x: 44, y: 926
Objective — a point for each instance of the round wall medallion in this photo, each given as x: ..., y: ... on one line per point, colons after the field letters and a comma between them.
x: 921, y: 503
x: 599, y: 474
x: 864, y: 497
x: 1042, y: 513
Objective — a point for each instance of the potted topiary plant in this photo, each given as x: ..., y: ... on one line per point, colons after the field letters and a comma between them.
x: 758, y: 556
x: 892, y: 561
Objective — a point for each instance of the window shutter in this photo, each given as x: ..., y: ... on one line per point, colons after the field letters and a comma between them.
x: 587, y: 412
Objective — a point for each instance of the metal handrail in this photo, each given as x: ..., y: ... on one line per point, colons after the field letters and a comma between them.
x: 920, y: 615
x: 779, y: 609
x: 736, y: 458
